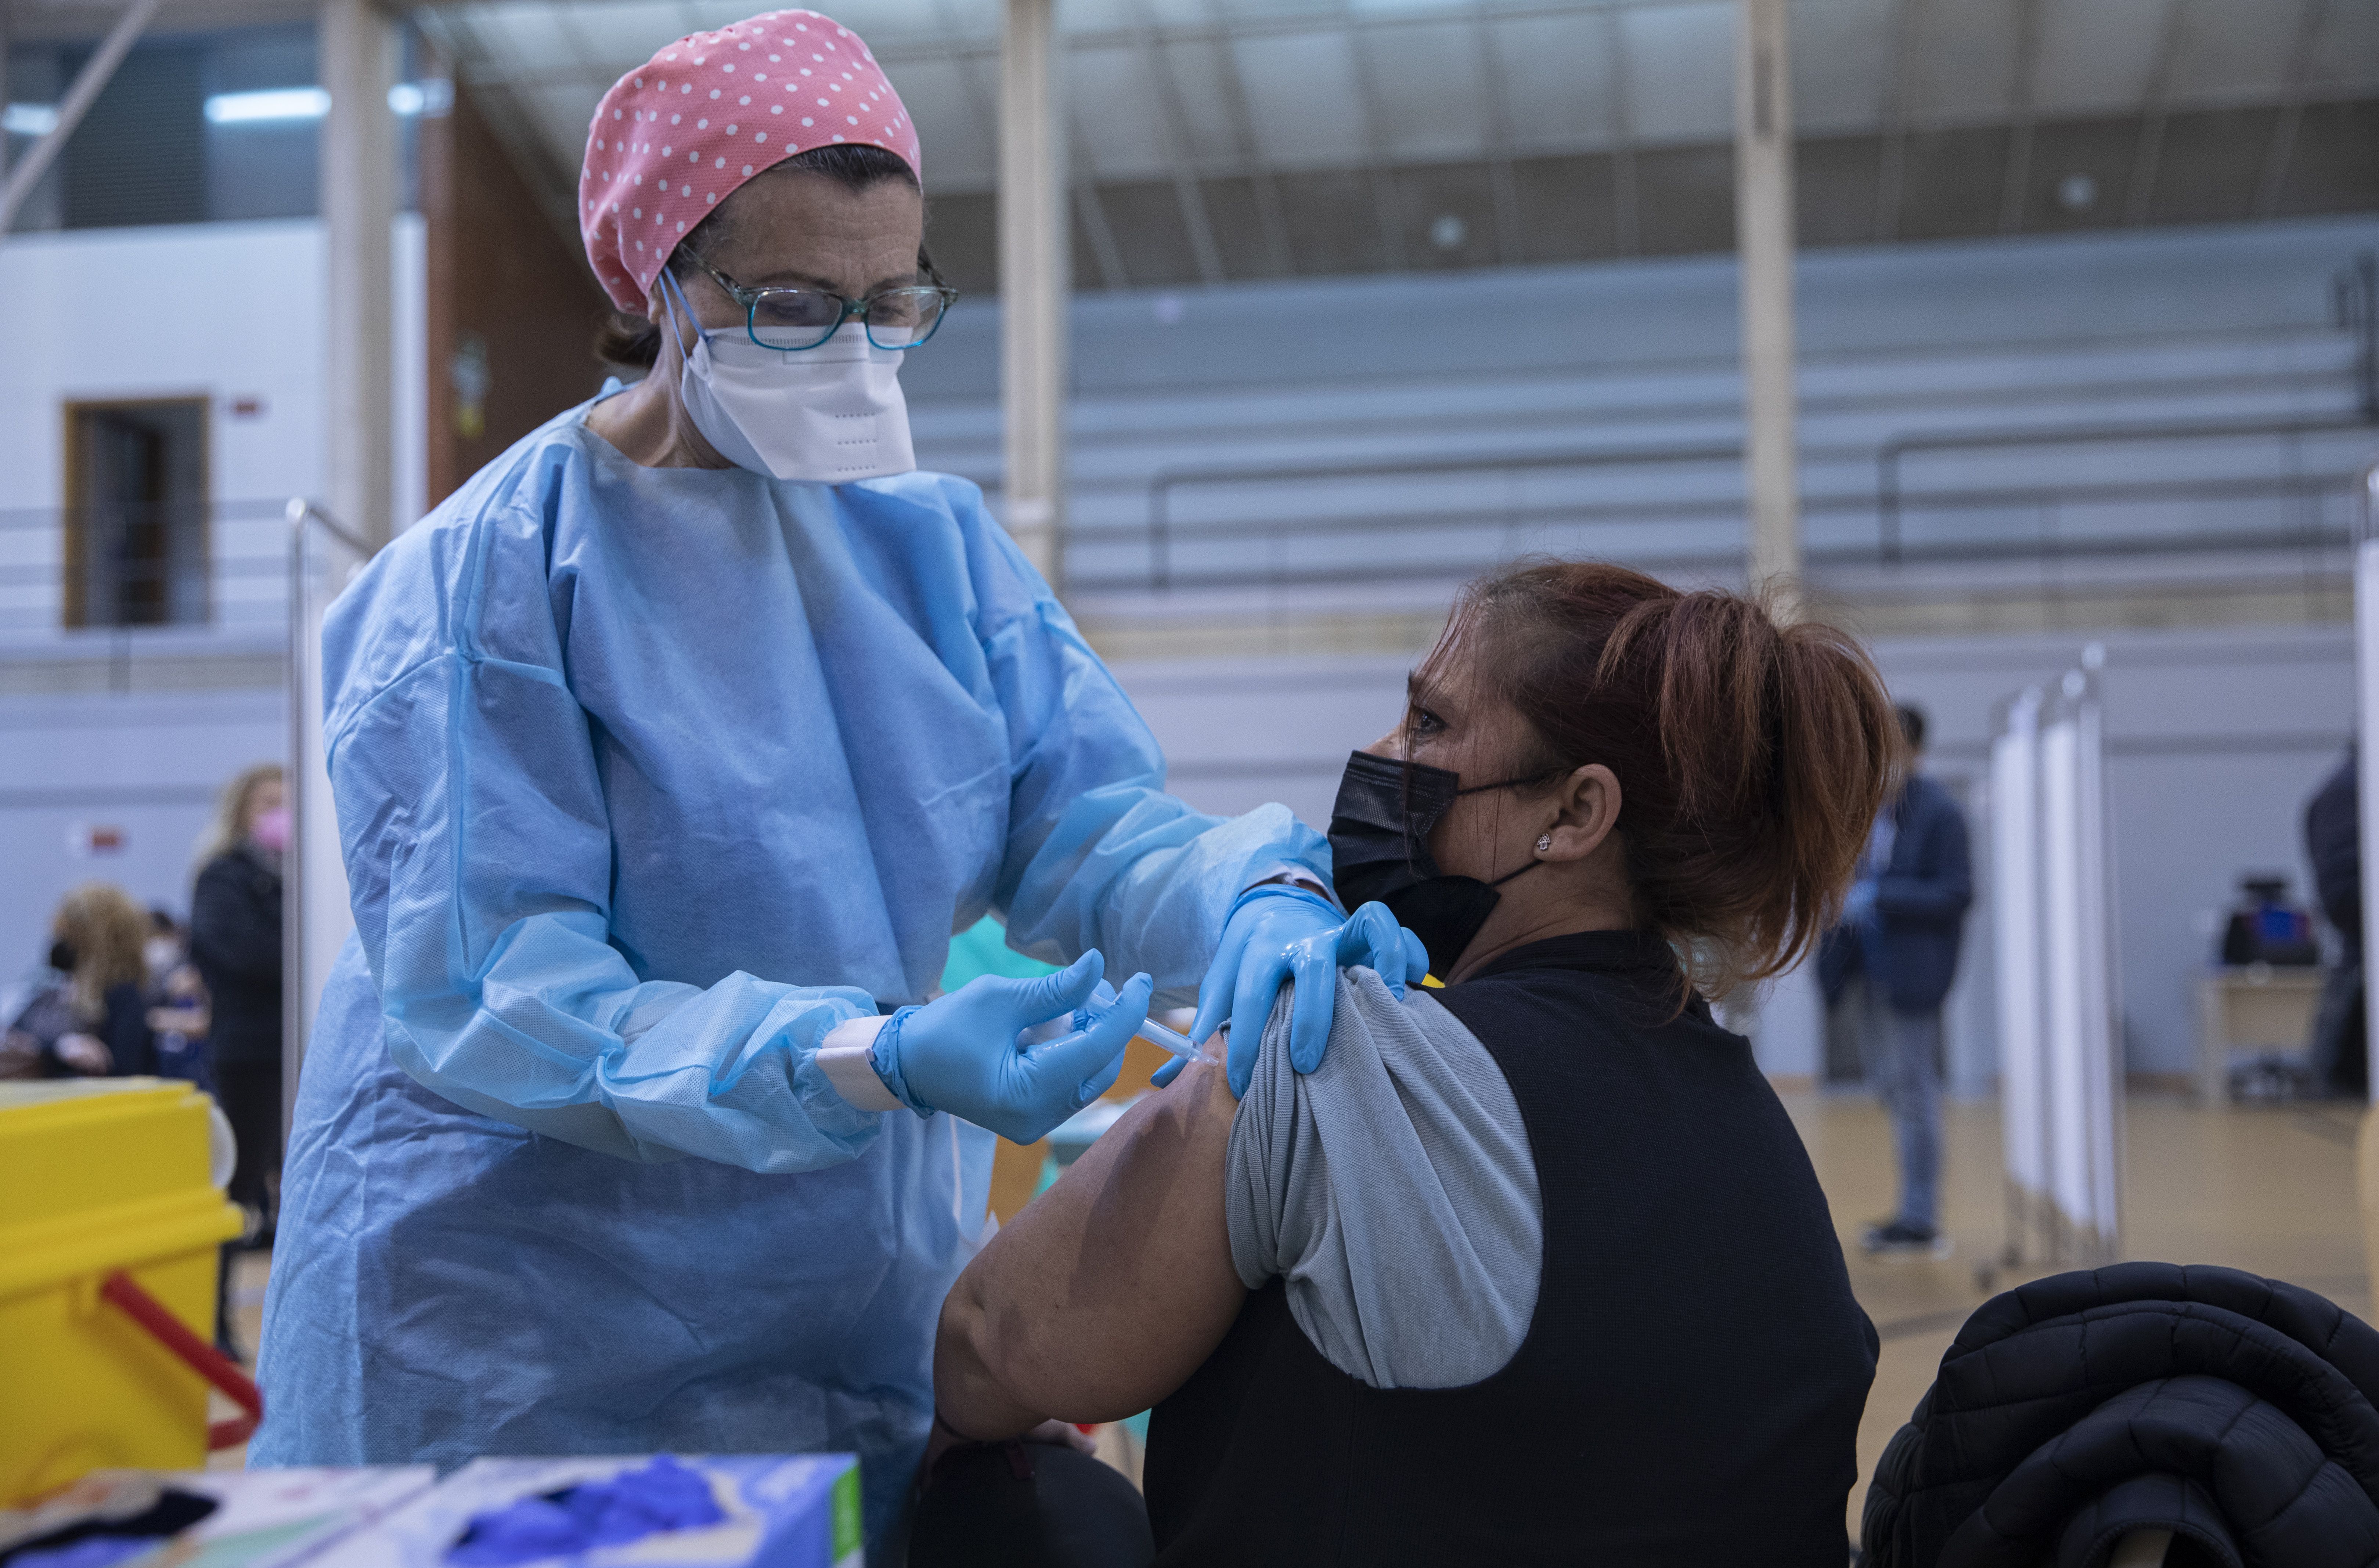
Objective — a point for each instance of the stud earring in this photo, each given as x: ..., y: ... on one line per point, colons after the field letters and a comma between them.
x: 1544, y: 843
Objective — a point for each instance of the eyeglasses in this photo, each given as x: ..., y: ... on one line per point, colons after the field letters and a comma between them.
x: 804, y: 318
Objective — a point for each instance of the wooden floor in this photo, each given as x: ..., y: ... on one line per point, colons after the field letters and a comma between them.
x: 2266, y: 1190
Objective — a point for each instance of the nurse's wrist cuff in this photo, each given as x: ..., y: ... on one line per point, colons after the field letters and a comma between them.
x: 885, y: 1057
x: 1302, y: 893
x: 1297, y: 877
x: 847, y: 1059
x: 1290, y: 879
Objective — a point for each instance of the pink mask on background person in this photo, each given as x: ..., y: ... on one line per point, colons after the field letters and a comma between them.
x: 270, y: 829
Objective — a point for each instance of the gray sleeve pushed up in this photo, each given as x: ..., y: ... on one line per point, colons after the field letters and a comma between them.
x: 1393, y: 1189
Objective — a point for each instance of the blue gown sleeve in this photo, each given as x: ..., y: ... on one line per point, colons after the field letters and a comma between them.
x: 479, y: 862
x: 1098, y: 854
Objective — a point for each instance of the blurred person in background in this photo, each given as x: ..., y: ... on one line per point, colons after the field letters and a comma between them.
x: 90, y: 1018
x: 32, y: 1015
x: 177, y: 1012
x: 2333, y: 831
x: 167, y: 945
x: 236, y: 943
x: 1891, y: 962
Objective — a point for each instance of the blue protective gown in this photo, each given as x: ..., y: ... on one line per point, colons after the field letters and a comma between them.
x: 646, y: 779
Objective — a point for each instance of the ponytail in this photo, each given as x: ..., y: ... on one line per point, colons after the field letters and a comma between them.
x: 1752, y: 756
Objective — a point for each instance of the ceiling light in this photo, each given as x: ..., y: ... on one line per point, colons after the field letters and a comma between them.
x: 1448, y: 232
x: 432, y: 98
x: 2077, y: 193
x: 273, y: 104
x: 30, y: 119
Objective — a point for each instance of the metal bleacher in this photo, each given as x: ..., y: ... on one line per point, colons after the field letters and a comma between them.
x: 2146, y: 408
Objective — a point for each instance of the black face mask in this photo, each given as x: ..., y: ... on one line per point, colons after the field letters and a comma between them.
x: 1379, y: 849
x: 62, y: 956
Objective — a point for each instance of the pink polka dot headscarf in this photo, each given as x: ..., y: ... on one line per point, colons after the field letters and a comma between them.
x: 676, y: 136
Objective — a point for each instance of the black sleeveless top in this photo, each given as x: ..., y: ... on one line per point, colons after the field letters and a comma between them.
x: 1690, y: 1386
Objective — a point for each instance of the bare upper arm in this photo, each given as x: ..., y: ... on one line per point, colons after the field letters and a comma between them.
x: 1109, y: 1289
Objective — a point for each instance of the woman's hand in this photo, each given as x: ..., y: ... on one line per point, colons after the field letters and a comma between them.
x: 1275, y: 933
x: 86, y: 1053
x: 961, y: 1053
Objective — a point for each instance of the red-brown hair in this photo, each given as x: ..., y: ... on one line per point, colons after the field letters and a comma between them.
x: 1752, y: 755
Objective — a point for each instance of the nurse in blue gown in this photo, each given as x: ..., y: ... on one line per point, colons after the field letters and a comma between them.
x: 667, y: 755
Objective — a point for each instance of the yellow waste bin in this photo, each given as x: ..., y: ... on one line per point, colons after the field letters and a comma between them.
x: 106, y: 1176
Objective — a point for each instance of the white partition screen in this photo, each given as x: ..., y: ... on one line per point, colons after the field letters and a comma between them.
x: 323, y: 557
x: 2014, y: 816
x: 2366, y: 724
x: 2060, y: 1049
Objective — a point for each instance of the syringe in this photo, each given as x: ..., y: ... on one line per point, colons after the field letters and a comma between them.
x: 1155, y: 1033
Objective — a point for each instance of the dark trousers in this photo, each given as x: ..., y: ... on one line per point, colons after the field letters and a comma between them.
x: 250, y: 1097
x: 2340, y: 1062
x: 1026, y: 1505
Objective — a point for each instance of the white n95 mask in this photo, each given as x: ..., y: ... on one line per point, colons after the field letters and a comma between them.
x: 827, y: 415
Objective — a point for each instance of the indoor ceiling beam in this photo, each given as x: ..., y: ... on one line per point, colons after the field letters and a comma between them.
x: 1088, y: 211
x: 981, y: 99
x: 515, y: 127
x: 945, y: 45
x: 2139, y: 185
x: 1173, y: 125
x: 1502, y: 186
x: 1099, y: 234
x: 87, y: 84
x: 79, y: 21
x: 2023, y: 90
x: 1625, y: 231
x: 1386, y: 206
x: 1269, y: 214
x: 1907, y: 24
x: 2273, y: 178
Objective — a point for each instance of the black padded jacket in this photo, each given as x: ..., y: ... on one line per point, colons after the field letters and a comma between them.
x: 2236, y: 1412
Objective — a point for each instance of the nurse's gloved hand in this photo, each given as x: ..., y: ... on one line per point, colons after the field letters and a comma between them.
x: 1277, y: 933
x: 961, y: 1053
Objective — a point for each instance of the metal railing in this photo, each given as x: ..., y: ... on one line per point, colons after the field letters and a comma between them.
x: 1161, y: 488
x: 1890, y: 494
x: 1967, y: 508
x: 1984, y: 523
x: 130, y: 566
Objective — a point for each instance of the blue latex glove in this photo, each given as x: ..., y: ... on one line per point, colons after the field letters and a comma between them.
x: 962, y: 1053
x: 1277, y: 933
x: 663, y: 1495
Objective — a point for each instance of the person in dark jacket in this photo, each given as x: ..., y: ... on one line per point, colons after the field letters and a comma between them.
x: 2333, y: 831
x: 1892, y: 960
x: 236, y: 942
